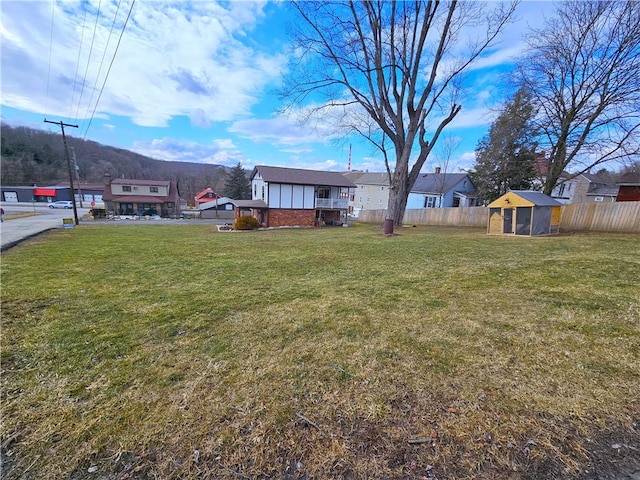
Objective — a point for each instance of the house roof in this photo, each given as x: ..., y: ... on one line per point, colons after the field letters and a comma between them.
x: 249, y: 203
x: 537, y: 198
x: 215, y: 203
x: 630, y: 179
x: 298, y: 176
x: 366, y: 178
x: 438, y: 183
x: 204, y: 192
x: 604, y: 191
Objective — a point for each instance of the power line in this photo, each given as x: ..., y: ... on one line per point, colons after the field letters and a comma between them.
x: 86, y: 70
x: 75, y: 78
x: 53, y: 13
x: 104, y: 54
x: 109, y: 70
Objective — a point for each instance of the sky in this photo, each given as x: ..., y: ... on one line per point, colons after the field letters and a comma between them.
x: 197, y: 81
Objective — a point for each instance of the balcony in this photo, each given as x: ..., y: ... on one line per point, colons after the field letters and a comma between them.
x: 332, y: 203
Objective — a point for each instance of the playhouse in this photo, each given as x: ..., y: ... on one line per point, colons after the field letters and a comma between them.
x: 524, y: 212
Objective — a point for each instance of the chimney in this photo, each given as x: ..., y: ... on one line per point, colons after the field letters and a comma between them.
x: 107, y: 178
x: 437, y: 170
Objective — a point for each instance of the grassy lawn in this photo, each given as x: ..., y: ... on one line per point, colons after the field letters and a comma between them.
x: 180, y: 352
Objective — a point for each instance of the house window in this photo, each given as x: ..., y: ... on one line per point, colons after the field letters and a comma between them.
x: 430, y: 202
x: 368, y: 199
x: 263, y: 192
x: 382, y: 188
x: 380, y: 202
x: 153, y: 189
x: 126, y: 188
x: 360, y: 199
x: 324, y: 192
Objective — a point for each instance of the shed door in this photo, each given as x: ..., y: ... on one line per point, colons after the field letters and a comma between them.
x: 523, y: 220
x: 507, y: 220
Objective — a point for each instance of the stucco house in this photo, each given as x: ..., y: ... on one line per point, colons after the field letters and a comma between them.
x: 371, y: 192
x: 132, y: 197
x: 442, y: 190
x: 298, y: 197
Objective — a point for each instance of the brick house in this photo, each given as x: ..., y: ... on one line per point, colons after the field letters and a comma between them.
x: 297, y: 197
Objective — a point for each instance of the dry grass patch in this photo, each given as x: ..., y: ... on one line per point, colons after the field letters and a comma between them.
x: 179, y: 352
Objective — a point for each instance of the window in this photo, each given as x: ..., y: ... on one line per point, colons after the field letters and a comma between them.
x: 255, y: 190
x: 126, y: 188
x: 368, y: 199
x: 380, y: 202
x: 382, y: 188
x: 430, y: 202
x: 153, y: 189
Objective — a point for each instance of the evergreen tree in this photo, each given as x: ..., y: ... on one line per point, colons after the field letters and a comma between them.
x: 236, y: 185
x: 505, y: 157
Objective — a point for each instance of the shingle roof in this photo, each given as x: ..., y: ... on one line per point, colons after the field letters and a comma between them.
x: 537, y: 198
x: 366, y: 178
x: 298, y: 176
x: 250, y: 203
x: 439, y: 183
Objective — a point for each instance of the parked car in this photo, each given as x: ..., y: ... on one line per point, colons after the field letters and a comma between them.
x: 61, y: 204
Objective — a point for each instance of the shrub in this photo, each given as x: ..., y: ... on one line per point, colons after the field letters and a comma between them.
x: 246, y: 222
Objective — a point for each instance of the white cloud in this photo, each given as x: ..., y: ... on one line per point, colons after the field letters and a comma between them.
x: 220, y: 152
x: 173, y: 60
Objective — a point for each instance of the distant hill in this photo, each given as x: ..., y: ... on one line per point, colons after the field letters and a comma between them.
x: 30, y: 156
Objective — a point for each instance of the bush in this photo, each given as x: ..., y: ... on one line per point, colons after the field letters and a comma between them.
x: 246, y: 222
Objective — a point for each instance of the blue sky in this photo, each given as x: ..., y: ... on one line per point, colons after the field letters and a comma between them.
x: 195, y: 81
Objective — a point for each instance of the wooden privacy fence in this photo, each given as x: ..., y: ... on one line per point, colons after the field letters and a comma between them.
x: 605, y: 217
x: 600, y: 217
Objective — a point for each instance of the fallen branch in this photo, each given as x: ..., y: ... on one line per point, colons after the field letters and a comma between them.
x: 310, y: 422
x: 418, y: 441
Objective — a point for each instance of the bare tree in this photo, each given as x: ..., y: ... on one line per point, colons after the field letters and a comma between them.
x: 391, y: 72
x: 582, y: 71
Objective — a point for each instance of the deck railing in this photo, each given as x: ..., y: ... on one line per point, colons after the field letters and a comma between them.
x: 334, y: 203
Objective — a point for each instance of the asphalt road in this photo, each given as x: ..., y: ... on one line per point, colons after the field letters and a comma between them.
x: 41, y: 219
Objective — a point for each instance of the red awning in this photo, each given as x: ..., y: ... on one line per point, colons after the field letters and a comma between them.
x: 44, y: 192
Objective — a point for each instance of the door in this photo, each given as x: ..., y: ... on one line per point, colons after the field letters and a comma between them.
x: 507, y: 220
x: 10, y: 196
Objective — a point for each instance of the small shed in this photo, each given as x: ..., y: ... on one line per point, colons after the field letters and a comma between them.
x: 524, y: 212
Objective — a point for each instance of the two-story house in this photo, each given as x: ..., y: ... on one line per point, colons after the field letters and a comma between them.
x: 371, y: 193
x: 442, y: 190
x: 300, y: 197
x: 125, y: 196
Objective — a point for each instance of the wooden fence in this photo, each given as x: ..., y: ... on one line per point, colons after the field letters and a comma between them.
x: 605, y: 217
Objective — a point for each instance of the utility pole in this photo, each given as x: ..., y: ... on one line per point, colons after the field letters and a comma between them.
x: 75, y: 168
x: 66, y: 154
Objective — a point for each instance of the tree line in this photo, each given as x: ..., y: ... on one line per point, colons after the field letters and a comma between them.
x: 30, y: 156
